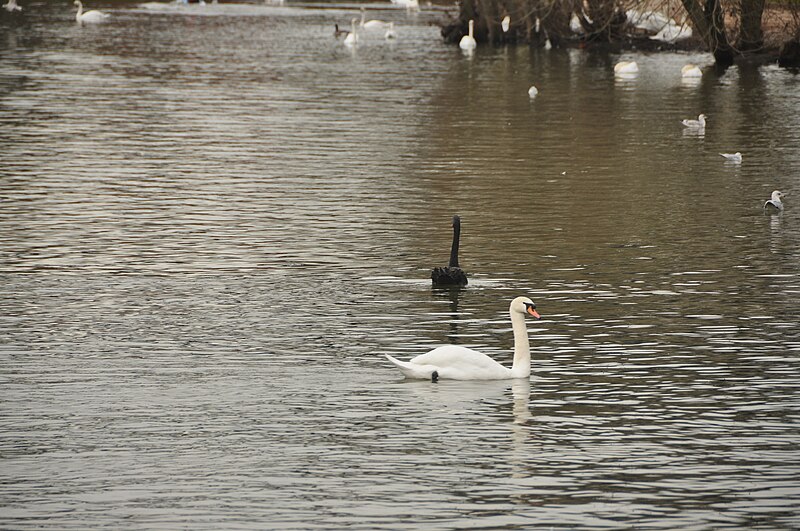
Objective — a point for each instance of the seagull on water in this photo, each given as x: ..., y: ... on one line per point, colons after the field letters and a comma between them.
x: 736, y: 158
x: 775, y: 202
x: 700, y: 123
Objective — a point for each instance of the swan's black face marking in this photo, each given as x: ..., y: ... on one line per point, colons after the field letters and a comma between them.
x: 530, y: 308
x: 434, y: 376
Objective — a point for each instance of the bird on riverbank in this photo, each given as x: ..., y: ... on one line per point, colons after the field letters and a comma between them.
x: 506, y: 23
x: 467, y: 42
x: 452, y: 275
x: 735, y: 158
x: 455, y: 362
x: 700, y: 123
x: 12, y: 6
x: 775, y: 202
x: 92, y: 16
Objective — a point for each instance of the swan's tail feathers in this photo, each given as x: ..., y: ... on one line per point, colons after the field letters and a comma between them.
x: 411, y: 370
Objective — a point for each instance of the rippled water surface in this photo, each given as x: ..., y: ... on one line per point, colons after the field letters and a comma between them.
x: 215, y: 221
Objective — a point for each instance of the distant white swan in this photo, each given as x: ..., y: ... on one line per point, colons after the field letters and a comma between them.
x: 775, y: 202
x: 626, y: 67
x: 700, y: 123
x: 352, y: 37
x: 691, y: 71
x: 390, y: 33
x: 506, y: 23
x: 453, y: 362
x: 648, y: 20
x: 12, y: 6
x: 673, y: 33
x: 736, y: 158
x: 408, y: 4
x: 468, y: 41
x: 371, y: 25
x: 532, y: 92
x: 90, y: 17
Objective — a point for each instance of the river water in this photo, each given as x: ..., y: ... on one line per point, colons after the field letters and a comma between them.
x: 215, y: 221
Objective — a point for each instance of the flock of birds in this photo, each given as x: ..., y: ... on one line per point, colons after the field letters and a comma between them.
x: 351, y: 36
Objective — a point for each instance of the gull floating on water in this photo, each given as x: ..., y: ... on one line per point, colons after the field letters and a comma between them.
x: 532, y: 92
x: 775, y: 202
x: 736, y: 158
x: 700, y: 123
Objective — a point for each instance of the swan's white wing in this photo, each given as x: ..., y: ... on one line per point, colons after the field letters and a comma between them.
x: 460, y: 363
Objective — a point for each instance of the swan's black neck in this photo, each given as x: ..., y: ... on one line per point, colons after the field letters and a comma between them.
x: 456, y: 237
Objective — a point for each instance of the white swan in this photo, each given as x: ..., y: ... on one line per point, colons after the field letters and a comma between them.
x: 371, y: 25
x: 90, y: 17
x: 648, y: 20
x: 390, y: 33
x: 673, y: 33
x: 626, y: 67
x: 506, y: 23
x: 352, y: 37
x: 12, y: 6
x: 532, y: 92
x: 468, y: 41
x: 453, y: 362
x: 736, y: 158
x: 774, y: 202
x: 408, y: 4
x: 700, y: 123
x: 691, y: 71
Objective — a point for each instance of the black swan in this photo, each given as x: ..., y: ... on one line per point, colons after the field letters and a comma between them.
x: 452, y: 275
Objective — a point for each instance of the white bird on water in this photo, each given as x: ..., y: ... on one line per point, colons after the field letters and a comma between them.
x: 454, y: 362
x: 468, y: 41
x: 532, y: 92
x: 700, y: 123
x: 352, y: 37
x: 12, y: 6
x: 691, y: 71
x: 371, y: 25
x: 626, y: 67
x: 390, y: 33
x: 92, y: 16
x: 506, y: 23
x: 775, y: 202
x: 735, y: 158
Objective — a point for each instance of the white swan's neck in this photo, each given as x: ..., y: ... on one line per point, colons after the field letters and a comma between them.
x: 80, y: 10
x: 522, y: 346
x: 471, y: 25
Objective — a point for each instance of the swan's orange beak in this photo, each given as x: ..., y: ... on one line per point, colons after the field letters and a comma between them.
x: 534, y: 313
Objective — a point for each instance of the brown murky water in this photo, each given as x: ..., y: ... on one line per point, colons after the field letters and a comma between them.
x: 215, y: 221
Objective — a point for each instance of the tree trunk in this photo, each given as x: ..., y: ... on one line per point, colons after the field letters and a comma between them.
x: 708, y: 21
x: 751, y: 37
